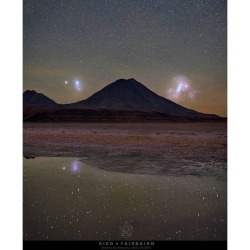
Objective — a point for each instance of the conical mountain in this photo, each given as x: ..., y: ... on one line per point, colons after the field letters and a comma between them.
x: 120, y: 101
x: 132, y: 95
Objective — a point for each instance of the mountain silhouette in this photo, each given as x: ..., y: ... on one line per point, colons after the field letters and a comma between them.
x: 33, y: 99
x: 132, y: 95
x: 120, y: 101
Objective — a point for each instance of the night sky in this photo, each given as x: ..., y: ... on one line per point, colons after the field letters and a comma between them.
x: 178, y: 49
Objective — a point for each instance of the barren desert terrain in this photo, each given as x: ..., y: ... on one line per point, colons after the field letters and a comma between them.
x: 162, y: 148
x: 83, y: 181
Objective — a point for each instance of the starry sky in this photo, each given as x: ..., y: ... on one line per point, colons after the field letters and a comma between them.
x: 177, y: 48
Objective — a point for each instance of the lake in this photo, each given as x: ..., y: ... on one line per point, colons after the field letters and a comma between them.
x: 67, y: 199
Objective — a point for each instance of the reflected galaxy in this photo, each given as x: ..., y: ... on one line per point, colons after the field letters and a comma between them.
x: 96, y: 204
x: 166, y: 181
x: 75, y: 166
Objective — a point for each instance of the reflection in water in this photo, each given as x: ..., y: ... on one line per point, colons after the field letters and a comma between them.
x: 65, y: 199
x: 75, y: 166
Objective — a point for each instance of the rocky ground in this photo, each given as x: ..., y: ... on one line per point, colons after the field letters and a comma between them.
x: 160, y: 148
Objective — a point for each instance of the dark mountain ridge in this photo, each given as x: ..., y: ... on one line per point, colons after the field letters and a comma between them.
x: 132, y: 95
x: 33, y: 99
x: 122, y: 100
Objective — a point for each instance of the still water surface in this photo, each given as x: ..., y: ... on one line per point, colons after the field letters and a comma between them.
x: 66, y: 199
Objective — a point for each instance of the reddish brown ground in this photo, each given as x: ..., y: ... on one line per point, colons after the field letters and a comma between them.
x: 202, y: 145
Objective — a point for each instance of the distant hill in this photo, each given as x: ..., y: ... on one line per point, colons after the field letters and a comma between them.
x: 33, y: 99
x: 120, y: 101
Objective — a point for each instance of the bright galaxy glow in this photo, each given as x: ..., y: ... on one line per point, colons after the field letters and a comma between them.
x: 78, y: 85
x: 75, y: 166
x: 98, y: 42
x: 181, y: 89
x: 66, y: 82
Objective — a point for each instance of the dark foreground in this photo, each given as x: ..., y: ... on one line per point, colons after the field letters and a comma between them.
x: 167, y: 181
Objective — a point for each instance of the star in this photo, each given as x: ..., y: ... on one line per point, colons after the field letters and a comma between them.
x: 150, y: 41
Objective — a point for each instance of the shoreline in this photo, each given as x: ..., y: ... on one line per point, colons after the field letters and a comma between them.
x: 172, y: 149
